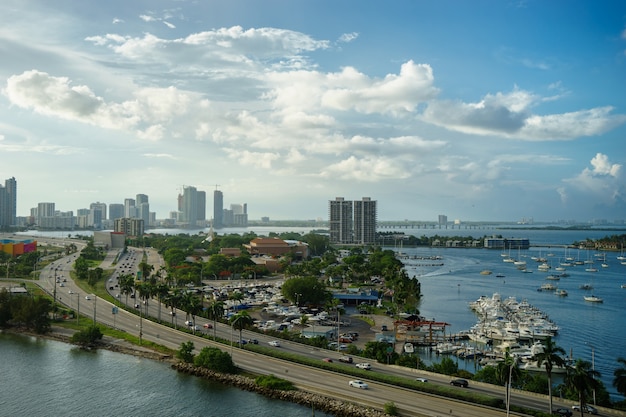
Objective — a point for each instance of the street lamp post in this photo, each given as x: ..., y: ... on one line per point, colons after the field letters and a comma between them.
x: 94, y: 309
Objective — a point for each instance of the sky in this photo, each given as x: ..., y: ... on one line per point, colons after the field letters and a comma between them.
x: 478, y: 110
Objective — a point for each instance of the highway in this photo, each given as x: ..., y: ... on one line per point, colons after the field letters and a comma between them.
x: 408, y: 402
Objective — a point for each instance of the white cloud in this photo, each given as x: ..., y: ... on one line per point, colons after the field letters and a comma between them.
x: 509, y: 115
x: 348, y: 37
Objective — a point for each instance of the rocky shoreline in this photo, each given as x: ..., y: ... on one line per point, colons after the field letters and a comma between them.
x: 319, y: 402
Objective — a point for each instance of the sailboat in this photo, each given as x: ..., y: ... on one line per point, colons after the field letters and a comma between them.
x: 621, y: 256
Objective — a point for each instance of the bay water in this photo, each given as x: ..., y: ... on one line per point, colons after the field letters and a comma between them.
x: 595, y: 332
x: 41, y: 377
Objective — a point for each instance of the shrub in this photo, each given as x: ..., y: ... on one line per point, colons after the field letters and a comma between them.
x: 216, y: 360
x: 273, y: 382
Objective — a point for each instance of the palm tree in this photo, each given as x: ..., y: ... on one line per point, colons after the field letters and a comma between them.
x: 195, y: 307
x: 161, y: 291
x: 506, y: 372
x: 551, y: 356
x: 215, y: 312
x: 582, y: 379
x: 240, y: 321
x: 619, y: 382
x: 126, y: 283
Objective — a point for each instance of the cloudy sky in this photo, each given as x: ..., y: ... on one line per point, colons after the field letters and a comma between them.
x: 480, y: 110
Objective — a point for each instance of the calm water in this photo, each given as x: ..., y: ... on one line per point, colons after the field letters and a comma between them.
x: 587, y: 329
x: 48, y: 378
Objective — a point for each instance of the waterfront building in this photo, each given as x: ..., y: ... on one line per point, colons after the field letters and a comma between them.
x: 129, y: 227
x: 8, y: 203
x: 506, y: 243
x: 218, y: 209
x: 365, y: 216
x: 130, y: 210
x: 352, y: 222
x: 116, y: 211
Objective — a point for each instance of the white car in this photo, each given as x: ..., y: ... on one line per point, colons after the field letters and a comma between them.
x: 356, y: 383
x: 421, y: 379
x: 87, y: 298
x: 274, y: 343
x: 364, y: 365
x: 586, y: 409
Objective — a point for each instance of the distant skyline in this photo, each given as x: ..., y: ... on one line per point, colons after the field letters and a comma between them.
x: 484, y: 110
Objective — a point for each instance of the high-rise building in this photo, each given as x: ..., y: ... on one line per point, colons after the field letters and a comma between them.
x: 130, y: 210
x: 218, y: 209
x: 442, y: 220
x: 8, y: 202
x: 202, y: 207
x: 100, y: 206
x: 116, y: 211
x: 143, y: 208
x: 365, y: 219
x: 44, y: 211
x: 352, y: 222
x: 130, y: 227
x: 340, y: 220
x: 192, y: 202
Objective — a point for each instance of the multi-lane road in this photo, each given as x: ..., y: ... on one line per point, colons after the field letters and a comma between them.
x: 410, y: 403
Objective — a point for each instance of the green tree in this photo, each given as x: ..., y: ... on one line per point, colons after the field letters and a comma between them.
x: 619, y: 380
x: 216, y: 360
x: 551, y: 356
x: 240, y: 321
x: 185, y: 353
x: 305, y: 290
x: 581, y: 379
x: 215, y: 311
x: 88, y: 337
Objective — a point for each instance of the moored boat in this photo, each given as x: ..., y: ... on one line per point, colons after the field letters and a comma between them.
x: 593, y: 299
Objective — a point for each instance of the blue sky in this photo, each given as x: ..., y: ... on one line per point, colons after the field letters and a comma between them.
x: 480, y: 110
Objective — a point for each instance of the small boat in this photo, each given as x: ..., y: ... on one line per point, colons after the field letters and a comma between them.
x: 547, y: 287
x: 593, y: 299
x: 561, y: 293
x: 500, y: 275
x: 604, y: 265
x: 409, y: 348
x: 586, y: 287
x: 485, y: 272
x: 553, y: 277
x: 623, y: 285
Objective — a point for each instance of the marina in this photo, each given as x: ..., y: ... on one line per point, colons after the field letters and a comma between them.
x: 466, y: 275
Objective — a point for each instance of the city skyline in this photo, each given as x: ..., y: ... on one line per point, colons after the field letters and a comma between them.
x: 482, y: 111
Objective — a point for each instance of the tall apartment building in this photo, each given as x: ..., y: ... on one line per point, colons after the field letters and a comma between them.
x: 128, y: 226
x: 352, y: 222
x: 45, y: 211
x: 218, y: 209
x: 365, y: 219
x: 8, y: 203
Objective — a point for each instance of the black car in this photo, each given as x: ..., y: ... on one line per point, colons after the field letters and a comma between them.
x: 459, y: 383
x: 563, y: 412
